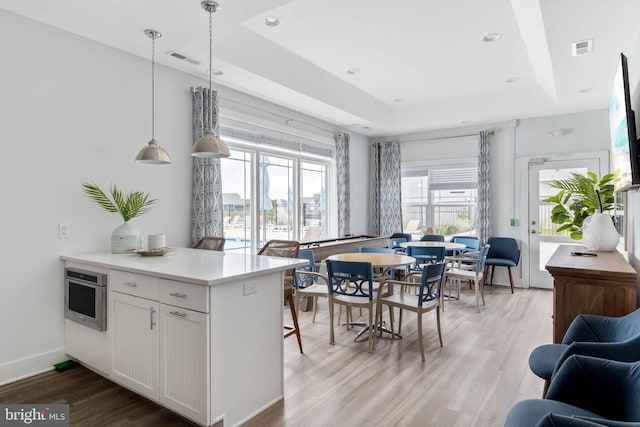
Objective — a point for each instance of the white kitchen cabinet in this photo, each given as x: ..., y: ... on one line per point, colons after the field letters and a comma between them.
x: 184, y: 364
x: 134, y: 343
x: 172, y: 330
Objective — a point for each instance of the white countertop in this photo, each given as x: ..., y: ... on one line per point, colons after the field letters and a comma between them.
x: 197, y: 266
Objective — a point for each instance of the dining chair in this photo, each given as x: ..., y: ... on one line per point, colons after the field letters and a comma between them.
x: 458, y: 272
x: 286, y: 249
x: 427, y: 298
x: 504, y: 253
x: 406, y: 236
x: 472, y: 244
x: 351, y: 285
x: 211, y: 243
x: 394, y: 243
x: 432, y: 238
x: 425, y: 255
x: 309, y: 282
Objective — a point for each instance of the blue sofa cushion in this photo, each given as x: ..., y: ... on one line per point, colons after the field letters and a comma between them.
x: 528, y: 413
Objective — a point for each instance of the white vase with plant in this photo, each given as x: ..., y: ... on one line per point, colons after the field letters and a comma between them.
x: 126, y: 237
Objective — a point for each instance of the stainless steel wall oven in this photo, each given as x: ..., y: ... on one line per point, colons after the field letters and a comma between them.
x: 85, y: 298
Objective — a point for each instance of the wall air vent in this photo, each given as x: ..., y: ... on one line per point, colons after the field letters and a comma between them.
x: 183, y: 57
x: 582, y: 47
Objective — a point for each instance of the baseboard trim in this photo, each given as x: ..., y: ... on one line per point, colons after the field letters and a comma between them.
x: 16, y: 370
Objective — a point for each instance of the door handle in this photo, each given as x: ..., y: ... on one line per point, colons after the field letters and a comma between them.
x: 533, y: 231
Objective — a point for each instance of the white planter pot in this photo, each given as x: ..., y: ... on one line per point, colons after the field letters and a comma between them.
x: 599, y: 233
x: 125, y: 238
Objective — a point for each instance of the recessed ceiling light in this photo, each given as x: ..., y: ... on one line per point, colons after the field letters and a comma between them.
x: 513, y: 80
x: 588, y: 89
x: 400, y: 100
x: 491, y: 37
x: 559, y: 133
x: 216, y: 72
x: 271, y: 21
x: 366, y: 127
x: 353, y: 71
x: 465, y: 122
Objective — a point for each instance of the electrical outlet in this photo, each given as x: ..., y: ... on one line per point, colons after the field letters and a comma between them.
x: 250, y: 288
x: 64, y: 231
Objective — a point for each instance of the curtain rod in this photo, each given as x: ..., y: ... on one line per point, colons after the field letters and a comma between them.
x: 491, y: 132
x: 287, y: 120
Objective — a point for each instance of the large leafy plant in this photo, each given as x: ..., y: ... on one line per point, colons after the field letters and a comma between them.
x: 128, y: 206
x: 579, y: 197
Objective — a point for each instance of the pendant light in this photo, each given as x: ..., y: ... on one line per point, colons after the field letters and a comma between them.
x: 210, y: 145
x: 152, y: 153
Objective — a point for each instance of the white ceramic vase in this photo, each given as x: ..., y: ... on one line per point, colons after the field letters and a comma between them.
x: 599, y: 233
x: 125, y: 238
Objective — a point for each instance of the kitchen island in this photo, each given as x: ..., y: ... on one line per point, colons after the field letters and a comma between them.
x: 199, y: 332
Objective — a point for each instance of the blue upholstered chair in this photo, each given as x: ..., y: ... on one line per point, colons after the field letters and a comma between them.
x: 351, y: 285
x: 401, y: 236
x: 504, y: 252
x: 589, y: 388
x: 394, y: 243
x: 615, y: 338
x: 309, y: 282
x: 554, y: 420
x: 432, y: 238
x: 427, y: 298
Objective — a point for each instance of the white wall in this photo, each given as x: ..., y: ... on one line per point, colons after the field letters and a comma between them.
x: 72, y: 110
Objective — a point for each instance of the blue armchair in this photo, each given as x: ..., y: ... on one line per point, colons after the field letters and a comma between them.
x: 504, y: 252
x: 554, y: 420
x: 615, y: 338
x: 592, y: 389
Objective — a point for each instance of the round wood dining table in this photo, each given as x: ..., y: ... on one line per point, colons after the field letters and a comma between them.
x: 446, y: 245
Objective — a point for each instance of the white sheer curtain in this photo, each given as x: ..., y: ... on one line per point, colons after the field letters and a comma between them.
x: 206, y: 182
x: 385, y: 173
x: 342, y: 182
x: 483, y: 214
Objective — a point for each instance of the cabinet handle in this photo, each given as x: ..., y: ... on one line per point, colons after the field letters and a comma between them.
x: 177, y: 313
x: 178, y: 294
x: 130, y: 284
x: 151, y: 311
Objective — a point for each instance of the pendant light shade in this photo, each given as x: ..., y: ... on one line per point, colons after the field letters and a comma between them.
x: 210, y: 145
x: 152, y: 153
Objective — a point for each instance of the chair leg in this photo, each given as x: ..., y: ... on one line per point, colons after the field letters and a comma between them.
x: 331, y: 332
x: 315, y: 306
x: 296, y: 328
x: 400, y: 322
x: 493, y: 270
x: 510, y: 278
x: 477, y: 291
x: 372, y: 329
x: 545, y: 389
x: 438, y: 323
x: 420, y: 343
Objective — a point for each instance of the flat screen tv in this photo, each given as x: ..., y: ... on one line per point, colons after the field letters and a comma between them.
x: 622, y: 128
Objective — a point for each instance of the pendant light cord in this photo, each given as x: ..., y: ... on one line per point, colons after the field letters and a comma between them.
x: 153, y: 87
x: 210, y: 70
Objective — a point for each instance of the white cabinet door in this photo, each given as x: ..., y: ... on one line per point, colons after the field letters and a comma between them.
x: 134, y: 343
x: 184, y: 362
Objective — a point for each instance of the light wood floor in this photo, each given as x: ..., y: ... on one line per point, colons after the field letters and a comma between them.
x: 473, y: 380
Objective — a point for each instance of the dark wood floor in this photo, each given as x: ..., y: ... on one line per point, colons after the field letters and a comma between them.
x: 472, y: 381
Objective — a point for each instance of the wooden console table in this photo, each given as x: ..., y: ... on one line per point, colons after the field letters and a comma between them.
x: 602, y: 285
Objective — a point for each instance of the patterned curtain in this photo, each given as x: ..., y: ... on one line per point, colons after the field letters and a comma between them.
x: 385, y: 172
x: 342, y: 166
x: 483, y: 215
x: 206, y: 183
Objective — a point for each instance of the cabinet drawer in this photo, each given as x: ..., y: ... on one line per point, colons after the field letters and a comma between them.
x: 186, y: 295
x: 134, y: 284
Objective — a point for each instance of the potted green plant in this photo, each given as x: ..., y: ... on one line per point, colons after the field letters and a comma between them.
x: 125, y: 237
x: 580, y: 197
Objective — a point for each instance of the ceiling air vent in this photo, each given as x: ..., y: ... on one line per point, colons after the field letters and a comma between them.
x: 182, y: 57
x: 582, y: 47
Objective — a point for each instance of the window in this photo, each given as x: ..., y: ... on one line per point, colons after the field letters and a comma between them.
x: 441, y: 198
x: 271, y: 193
